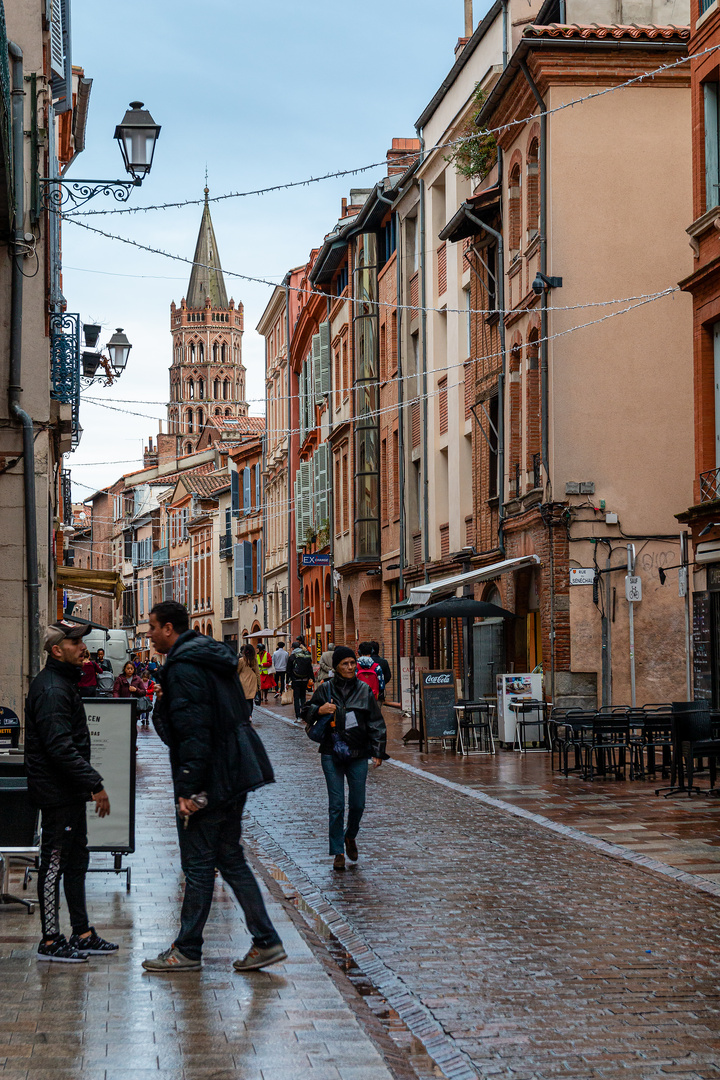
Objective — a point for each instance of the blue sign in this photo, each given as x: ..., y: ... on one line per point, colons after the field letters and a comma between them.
x: 316, y: 560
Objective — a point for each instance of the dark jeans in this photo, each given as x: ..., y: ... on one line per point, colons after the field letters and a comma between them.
x: 213, y: 840
x: 63, y: 854
x: 280, y: 680
x: 335, y: 775
x: 299, y: 693
x: 250, y: 704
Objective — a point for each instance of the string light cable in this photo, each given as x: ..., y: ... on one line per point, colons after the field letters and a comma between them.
x: 410, y: 155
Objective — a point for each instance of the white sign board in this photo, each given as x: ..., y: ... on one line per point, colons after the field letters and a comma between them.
x: 421, y: 664
x: 580, y: 575
x: 112, y: 753
x: 682, y: 581
x: 633, y: 588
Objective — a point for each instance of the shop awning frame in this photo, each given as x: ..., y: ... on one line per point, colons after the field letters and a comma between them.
x: 423, y: 594
x: 96, y: 582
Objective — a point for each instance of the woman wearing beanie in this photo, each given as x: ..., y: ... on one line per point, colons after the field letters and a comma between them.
x: 355, y: 734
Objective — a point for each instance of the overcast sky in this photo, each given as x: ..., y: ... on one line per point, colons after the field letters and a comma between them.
x: 261, y: 94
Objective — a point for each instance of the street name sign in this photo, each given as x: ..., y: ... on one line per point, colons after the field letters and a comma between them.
x: 316, y: 560
x: 582, y: 575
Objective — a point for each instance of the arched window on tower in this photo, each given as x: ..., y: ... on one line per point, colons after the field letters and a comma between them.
x: 226, y: 390
x: 200, y: 420
x: 215, y: 352
x: 188, y: 448
x: 201, y: 352
x: 222, y: 354
x: 218, y: 410
x: 228, y: 412
x: 201, y: 389
x: 192, y: 354
x: 216, y: 389
x: 190, y: 390
x: 189, y: 421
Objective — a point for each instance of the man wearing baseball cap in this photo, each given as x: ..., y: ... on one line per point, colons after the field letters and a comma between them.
x: 61, y: 781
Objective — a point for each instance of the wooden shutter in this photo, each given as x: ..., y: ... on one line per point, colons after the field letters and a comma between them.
x: 306, y: 496
x: 257, y: 486
x: 414, y: 294
x: 259, y: 574
x: 443, y: 405
x: 442, y: 269
x: 247, y: 567
x: 324, y: 350
x: 247, y: 497
x: 238, y: 571
x: 299, y: 539
x: 320, y: 476
x: 134, y: 553
x: 60, y: 56
x: 316, y: 368
x: 415, y: 422
x: 712, y: 142
x: 444, y: 541
x: 234, y: 497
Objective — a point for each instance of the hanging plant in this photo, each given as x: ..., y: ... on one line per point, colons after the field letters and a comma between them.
x: 476, y: 154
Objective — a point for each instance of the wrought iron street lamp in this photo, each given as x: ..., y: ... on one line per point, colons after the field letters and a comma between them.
x: 136, y: 135
x: 113, y: 365
x: 119, y: 348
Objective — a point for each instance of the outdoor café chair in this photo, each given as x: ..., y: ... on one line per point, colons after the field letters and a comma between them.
x: 475, y: 734
x: 18, y: 831
x: 693, y: 738
x: 607, y: 750
x: 530, y: 716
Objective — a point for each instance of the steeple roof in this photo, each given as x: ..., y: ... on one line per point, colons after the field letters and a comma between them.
x: 204, y: 282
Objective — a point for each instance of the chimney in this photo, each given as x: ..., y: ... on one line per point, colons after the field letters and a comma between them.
x: 461, y: 43
x: 468, y: 18
x: 401, y: 155
x: 166, y: 449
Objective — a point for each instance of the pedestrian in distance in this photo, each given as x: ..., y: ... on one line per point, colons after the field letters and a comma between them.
x: 249, y: 675
x: 267, y: 679
x: 354, y: 733
x: 325, y: 669
x: 105, y: 678
x: 88, y: 684
x: 128, y: 684
x: 61, y: 781
x: 299, y: 674
x: 368, y: 671
x: 387, y: 673
x: 216, y: 758
x: 279, y: 662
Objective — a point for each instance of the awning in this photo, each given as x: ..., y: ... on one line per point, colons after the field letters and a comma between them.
x: 458, y: 607
x: 97, y: 582
x: 423, y: 594
x: 295, y: 616
x: 460, y: 226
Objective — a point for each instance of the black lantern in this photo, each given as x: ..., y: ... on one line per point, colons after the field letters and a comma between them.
x: 91, y: 332
x: 119, y: 349
x: 90, y: 363
x: 136, y: 136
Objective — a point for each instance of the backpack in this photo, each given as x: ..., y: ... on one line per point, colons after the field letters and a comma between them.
x: 302, y: 667
x: 369, y: 675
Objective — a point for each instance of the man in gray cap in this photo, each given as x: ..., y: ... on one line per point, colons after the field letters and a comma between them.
x: 61, y: 781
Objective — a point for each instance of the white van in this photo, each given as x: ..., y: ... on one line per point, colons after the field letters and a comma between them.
x: 115, y: 644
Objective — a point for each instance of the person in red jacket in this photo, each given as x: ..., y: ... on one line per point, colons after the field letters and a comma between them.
x: 88, y: 680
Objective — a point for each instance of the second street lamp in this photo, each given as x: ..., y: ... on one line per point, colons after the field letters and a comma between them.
x: 119, y: 349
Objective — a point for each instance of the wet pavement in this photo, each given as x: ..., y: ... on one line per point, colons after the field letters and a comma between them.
x: 108, y: 1020
x: 535, y: 955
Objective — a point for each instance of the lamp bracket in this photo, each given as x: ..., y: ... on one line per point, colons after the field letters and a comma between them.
x: 58, y: 195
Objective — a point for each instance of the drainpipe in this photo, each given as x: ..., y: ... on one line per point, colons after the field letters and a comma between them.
x: 500, y: 278
x: 286, y: 283
x: 423, y: 340
x: 543, y: 268
x: 14, y: 385
x: 505, y: 32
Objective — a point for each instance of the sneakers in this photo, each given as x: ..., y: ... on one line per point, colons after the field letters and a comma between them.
x: 93, y: 945
x: 339, y: 862
x: 171, y: 960
x: 351, y: 848
x: 60, y: 952
x: 257, y: 958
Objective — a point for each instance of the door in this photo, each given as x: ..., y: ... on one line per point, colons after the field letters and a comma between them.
x: 488, y: 656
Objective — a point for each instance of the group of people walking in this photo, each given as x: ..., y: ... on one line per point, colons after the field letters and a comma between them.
x: 202, y: 713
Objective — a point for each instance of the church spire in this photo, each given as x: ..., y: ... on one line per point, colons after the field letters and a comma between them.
x: 204, y: 282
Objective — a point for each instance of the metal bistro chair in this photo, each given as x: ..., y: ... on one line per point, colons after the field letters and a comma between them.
x: 693, y: 737
x: 18, y: 831
x: 657, y: 734
x: 530, y: 714
x: 610, y: 746
x: 474, y: 723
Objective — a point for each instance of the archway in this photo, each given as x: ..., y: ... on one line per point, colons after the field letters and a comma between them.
x: 318, y: 621
x: 208, y: 630
x: 369, y: 620
x: 350, y: 634
x: 339, y: 622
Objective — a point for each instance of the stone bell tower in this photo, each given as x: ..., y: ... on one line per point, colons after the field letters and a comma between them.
x: 207, y: 377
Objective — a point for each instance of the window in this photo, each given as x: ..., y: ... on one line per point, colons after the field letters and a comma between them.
x: 443, y: 405
x: 345, y: 493
x: 712, y: 144
x: 514, y: 210
x: 385, y: 487
x: 396, y: 475
x: 190, y: 389
x: 493, y: 455
x: 533, y: 191
x: 338, y: 502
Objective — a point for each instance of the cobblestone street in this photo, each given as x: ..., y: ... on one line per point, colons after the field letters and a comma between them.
x: 503, y: 948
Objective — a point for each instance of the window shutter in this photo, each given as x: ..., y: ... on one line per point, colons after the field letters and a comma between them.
x: 247, y: 501
x: 306, y: 490
x: 134, y: 554
x: 317, y: 367
x: 60, y: 55
x: 712, y: 139
x: 257, y: 486
x: 248, y: 567
x: 443, y: 405
x: 324, y: 351
x: 234, y: 496
x: 298, y: 512
x: 239, y: 572
x: 320, y: 470
x: 259, y: 566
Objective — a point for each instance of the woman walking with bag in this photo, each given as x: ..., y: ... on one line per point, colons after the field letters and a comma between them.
x: 249, y: 673
x: 344, y: 717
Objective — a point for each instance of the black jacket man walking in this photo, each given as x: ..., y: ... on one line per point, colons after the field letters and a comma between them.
x: 216, y: 758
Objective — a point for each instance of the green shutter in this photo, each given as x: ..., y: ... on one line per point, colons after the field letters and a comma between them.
x: 712, y: 139
x: 325, y: 368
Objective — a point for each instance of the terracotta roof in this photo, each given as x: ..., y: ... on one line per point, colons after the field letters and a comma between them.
x: 171, y: 478
x: 602, y: 33
x: 208, y: 485
x: 237, y: 423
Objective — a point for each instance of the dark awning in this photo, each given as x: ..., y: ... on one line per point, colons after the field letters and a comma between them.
x: 459, y: 607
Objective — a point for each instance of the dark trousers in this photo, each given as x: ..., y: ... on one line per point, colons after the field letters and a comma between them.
x: 213, y: 840
x: 299, y: 693
x: 280, y: 680
x: 336, y: 773
x: 63, y: 854
x: 250, y: 701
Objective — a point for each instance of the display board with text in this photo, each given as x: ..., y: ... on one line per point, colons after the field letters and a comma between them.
x: 111, y: 722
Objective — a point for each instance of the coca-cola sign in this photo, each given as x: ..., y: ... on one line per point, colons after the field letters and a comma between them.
x: 444, y: 678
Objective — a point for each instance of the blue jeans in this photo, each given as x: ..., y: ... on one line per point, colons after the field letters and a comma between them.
x: 213, y: 840
x: 335, y: 775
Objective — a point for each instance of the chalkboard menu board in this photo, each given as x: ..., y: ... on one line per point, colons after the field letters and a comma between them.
x: 438, y: 701
x: 702, y: 647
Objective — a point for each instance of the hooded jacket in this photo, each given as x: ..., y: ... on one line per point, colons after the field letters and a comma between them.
x: 350, y: 695
x: 57, y: 740
x: 203, y: 718
x: 326, y: 666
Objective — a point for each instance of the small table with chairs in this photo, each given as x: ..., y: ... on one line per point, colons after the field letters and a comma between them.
x: 474, y: 727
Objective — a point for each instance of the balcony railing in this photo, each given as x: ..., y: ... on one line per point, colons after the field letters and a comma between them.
x: 710, y: 485
x: 537, y: 471
x: 161, y: 557
x: 228, y: 607
x: 226, y: 545
x: 516, y: 478
x: 65, y: 365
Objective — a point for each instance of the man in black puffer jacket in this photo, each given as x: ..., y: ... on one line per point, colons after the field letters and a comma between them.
x: 216, y: 757
x: 61, y: 781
